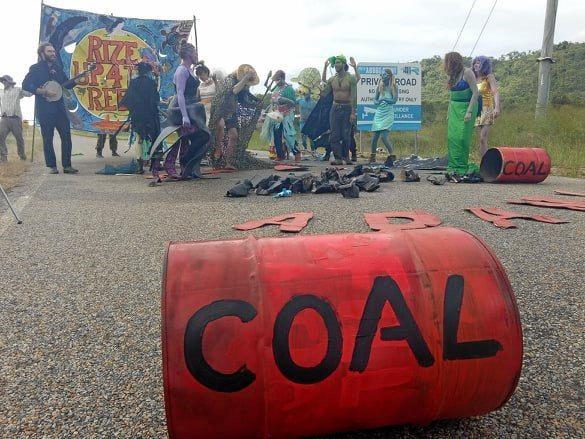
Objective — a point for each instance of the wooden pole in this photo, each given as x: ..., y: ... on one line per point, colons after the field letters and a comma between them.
x: 34, y: 124
x: 195, y: 32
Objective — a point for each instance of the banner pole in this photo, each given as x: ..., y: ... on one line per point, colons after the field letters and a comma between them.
x: 34, y: 124
x: 195, y: 32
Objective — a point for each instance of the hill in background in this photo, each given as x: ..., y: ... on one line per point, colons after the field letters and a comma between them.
x: 517, y: 75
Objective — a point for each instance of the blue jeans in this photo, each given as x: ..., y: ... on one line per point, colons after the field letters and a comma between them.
x: 49, y: 122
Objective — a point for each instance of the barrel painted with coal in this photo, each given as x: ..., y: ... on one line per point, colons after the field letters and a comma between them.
x: 311, y: 335
x: 515, y: 165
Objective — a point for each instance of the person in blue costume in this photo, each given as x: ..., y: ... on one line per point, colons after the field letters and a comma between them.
x: 386, y: 97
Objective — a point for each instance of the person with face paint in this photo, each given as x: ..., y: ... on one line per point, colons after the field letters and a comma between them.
x: 186, y: 110
x: 282, y: 132
x: 51, y: 115
x: 386, y: 96
x: 490, y: 99
x: 342, y: 116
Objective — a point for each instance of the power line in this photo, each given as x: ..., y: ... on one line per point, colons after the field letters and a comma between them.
x: 464, y: 24
x: 483, y: 28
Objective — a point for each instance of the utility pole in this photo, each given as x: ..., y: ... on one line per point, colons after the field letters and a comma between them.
x: 545, y: 61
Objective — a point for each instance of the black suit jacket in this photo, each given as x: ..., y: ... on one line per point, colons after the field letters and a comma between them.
x: 38, y: 75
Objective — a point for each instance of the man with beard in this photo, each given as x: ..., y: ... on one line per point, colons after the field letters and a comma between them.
x: 51, y: 115
x: 343, y: 111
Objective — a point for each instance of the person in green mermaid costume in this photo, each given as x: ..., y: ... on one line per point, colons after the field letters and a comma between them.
x: 461, y: 114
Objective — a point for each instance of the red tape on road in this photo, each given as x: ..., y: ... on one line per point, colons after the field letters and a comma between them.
x: 419, y: 220
x: 290, y: 222
x: 501, y: 218
x: 553, y: 203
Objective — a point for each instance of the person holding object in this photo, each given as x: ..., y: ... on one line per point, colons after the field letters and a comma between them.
x: 236, y: 110
x: 343, y: 110
x: 490, y: 99
x: 386, y: 97
x: 51, y: 115
x: 11, y: 113
x: 461, y: 114
x: 279, y: 123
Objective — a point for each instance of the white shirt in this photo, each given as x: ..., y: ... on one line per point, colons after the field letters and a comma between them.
x: 10, y: 101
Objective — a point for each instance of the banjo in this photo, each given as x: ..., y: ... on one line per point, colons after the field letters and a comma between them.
x: 57, y: 89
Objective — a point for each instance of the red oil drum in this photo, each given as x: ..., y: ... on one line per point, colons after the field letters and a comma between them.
x: 311, y: 335
x: 515, y: 165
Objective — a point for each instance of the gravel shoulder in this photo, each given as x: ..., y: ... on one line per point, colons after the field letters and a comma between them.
x: 80, y: 295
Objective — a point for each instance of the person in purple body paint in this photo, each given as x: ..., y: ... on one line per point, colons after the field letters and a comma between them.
x: 186, y: 110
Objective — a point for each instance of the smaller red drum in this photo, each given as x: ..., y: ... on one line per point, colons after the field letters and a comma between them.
x: 505, y: 164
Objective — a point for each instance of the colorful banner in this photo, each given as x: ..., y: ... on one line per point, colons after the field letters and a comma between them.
x: 408, y: 108
x: 114, y: 45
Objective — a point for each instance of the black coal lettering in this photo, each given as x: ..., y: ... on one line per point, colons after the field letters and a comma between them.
x: 518, y: 171
x: 385, y: 289
x: 452, y: 349
x: 540, y: 170
x: 193, y: 346
x: 505, y: 171
x: 281, y: 345
x: 531, y: 168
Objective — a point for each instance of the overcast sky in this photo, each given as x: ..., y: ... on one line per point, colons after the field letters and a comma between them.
x: 293, y: 35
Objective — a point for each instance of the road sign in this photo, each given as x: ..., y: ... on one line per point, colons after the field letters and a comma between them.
x: 407, y: 110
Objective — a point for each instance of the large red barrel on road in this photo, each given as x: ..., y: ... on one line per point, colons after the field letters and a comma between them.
x: 311, y: 335
x: 505, y: 164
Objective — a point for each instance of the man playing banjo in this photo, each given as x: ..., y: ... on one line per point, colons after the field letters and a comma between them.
x: 50, y: 111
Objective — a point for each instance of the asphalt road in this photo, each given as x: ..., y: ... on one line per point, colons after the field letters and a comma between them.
x: 80, y: 294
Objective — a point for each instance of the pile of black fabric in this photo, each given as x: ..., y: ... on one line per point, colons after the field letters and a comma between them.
x: 331, y: 180
x: 473, y: 177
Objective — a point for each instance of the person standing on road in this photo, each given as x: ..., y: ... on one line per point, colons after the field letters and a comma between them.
x: 461, y: 114
x: 343, y: 110
x: 51, y: 115
x: 101, y: 142
x: 306, y: 105
x: 207, y: 87
x: 186, y: 110
x: 386, y: 96
x: 236, y: 110
x: 490, y: 99
x: 282, y: 131
x: 11, y: 113
x: 142, y: 101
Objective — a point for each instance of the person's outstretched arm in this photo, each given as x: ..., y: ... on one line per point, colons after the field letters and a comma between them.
x: 240, y: 85
x: 324, y: 74
x: 353, y: 64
